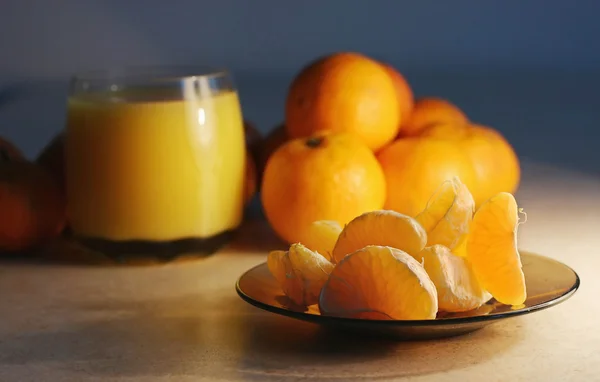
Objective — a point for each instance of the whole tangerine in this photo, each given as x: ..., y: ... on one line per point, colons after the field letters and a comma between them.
x: 344, y: 92
x: 415, y: 168
x: 328, y: 176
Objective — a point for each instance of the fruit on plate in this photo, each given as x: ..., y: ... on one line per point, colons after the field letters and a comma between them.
x: 379, y: 283
x: 458, y: 289
x: 429, y: 111
x: 448, y: 214
x: 300, y: 272
x: 327, y: 176
x: 384, y: 228
x: 371, y: 276
x: 344, y: 92
x: 33, y: 207
x: 492, y: 249
x: 322, y: 236
x: 415, y: 167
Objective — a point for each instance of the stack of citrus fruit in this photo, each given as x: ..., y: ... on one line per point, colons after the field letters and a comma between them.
x: 403, y: 148
x: 386, y: 265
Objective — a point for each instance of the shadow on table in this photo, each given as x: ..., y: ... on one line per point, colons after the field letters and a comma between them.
x: 224, y: 338
x: 253, y: 236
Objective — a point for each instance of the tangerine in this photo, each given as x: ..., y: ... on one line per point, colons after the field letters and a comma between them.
x: 344, y: 92
x: 387, y: 228
x: 492, y: 249
x: 300, y: 272
x: 448, y: 214
x: 458, y: 289
x: 324, y: 177
x: 322, y: 236
x: 379, y: 283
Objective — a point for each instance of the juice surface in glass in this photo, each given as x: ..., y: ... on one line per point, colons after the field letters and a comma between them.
x: 154, y: 170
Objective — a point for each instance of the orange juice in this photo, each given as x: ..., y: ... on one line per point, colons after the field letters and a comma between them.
x: 155, y: 170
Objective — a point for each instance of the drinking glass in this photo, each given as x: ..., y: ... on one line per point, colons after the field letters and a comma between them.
x: 155, y: 160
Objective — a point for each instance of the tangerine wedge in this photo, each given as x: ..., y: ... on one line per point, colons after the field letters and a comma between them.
x: 492, y: 249
x: 458, y: 289
x: 382, y: 227
x: 448, y: 213
x: 379, y: 283
x: 322, y: 236
x: 300, y: 272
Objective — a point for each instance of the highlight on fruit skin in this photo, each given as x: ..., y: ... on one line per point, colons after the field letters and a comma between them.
x: 381, y: 227
x: 492, y: 249
x: 458, y: 289
x: 448, y: 214
x: 379, y: 283
x: 322, y: 236
x: 300, y: 272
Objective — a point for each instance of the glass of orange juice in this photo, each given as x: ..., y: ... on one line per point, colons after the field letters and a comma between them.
x: 155, y: 160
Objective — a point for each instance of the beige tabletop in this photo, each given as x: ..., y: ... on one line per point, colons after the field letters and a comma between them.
x: 184, y: 322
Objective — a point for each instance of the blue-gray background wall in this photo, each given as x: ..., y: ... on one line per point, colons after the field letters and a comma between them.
x: 530, y: 68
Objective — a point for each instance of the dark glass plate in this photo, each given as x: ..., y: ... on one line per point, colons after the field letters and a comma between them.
x: 549, y: 283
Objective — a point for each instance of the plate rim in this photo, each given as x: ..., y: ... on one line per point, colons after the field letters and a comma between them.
x: 434, y: 322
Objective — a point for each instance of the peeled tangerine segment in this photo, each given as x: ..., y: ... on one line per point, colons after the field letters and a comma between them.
x: 448, y: 214
x: 492, y: 249
x: 379, y: 283
x: 322, y: 236
x: 382, y: 227
x: 458, y: 289
x: 300, y: 272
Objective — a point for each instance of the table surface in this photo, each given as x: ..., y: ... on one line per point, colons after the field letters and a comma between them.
x: 184, y: 322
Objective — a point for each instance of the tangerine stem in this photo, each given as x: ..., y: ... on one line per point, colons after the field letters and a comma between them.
x: 314, y: 142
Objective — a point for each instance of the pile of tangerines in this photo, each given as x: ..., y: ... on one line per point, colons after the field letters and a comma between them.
x: 355, y: 140
x: 394, y: 208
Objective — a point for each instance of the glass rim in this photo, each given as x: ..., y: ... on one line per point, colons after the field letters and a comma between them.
x: 151, y: 73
